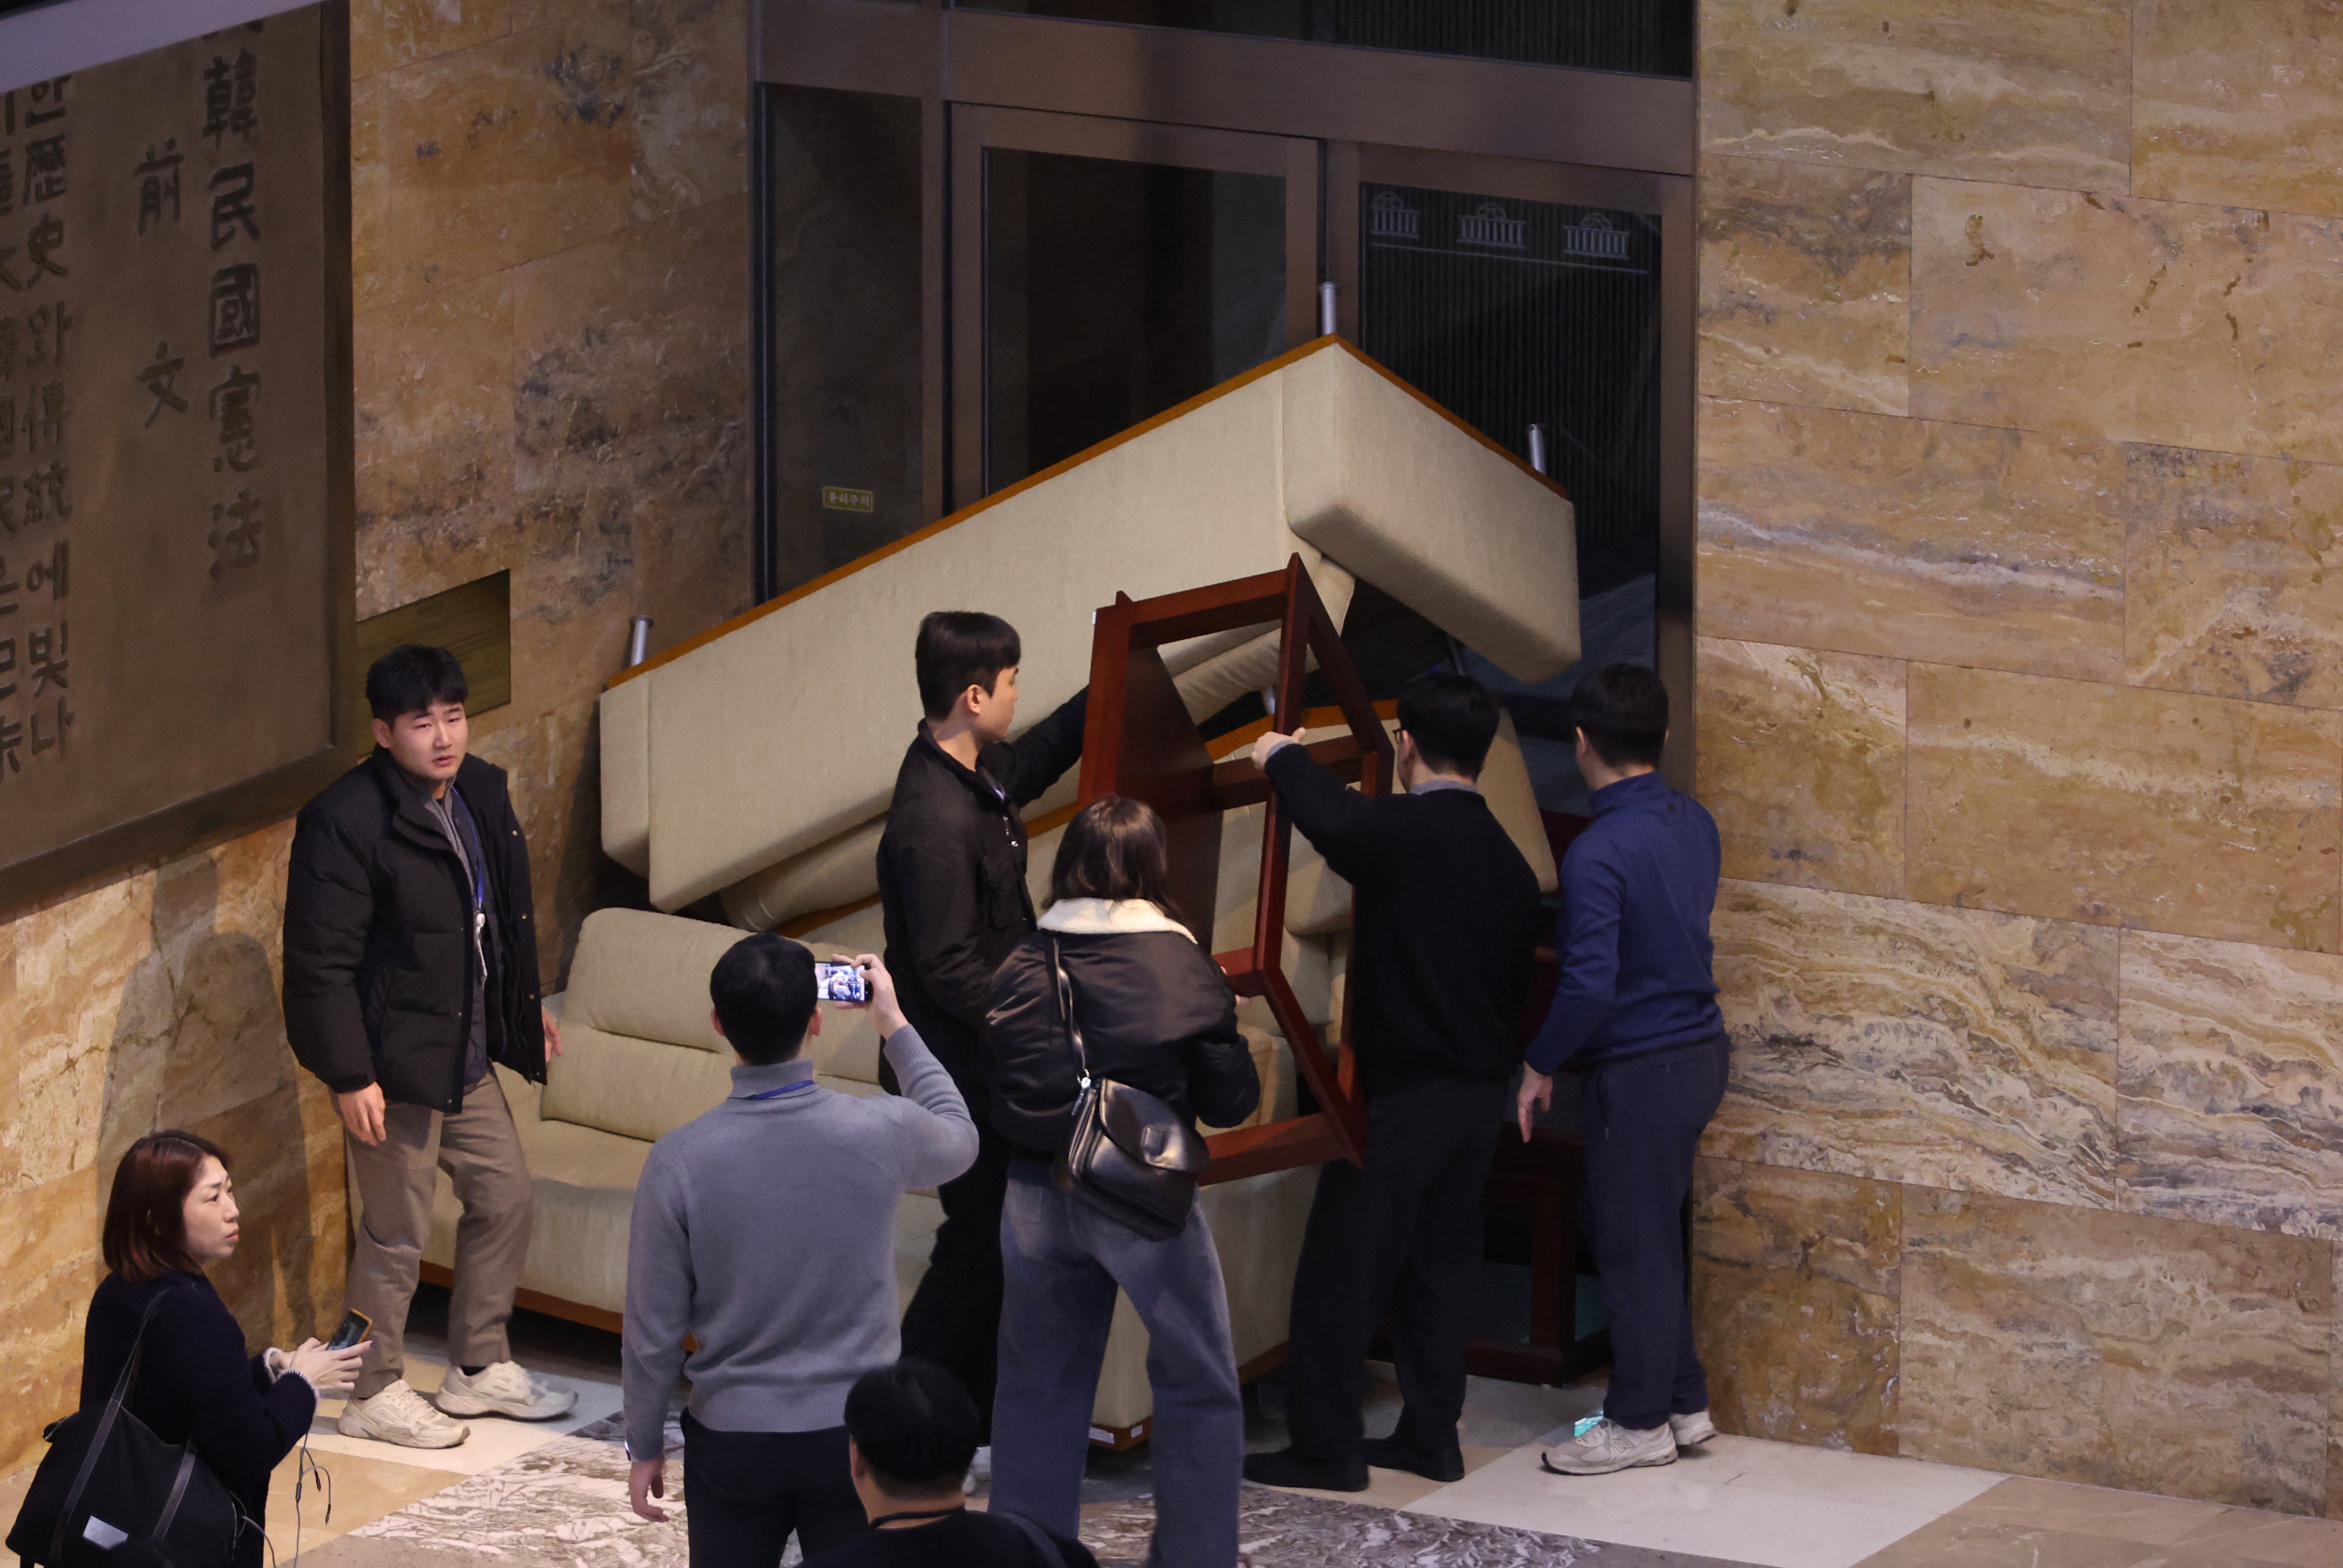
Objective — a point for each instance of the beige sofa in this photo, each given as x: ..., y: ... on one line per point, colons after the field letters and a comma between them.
x: 641, y: 1057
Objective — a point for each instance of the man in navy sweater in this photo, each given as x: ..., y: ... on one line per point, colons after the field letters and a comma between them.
x: 1636, y: 1014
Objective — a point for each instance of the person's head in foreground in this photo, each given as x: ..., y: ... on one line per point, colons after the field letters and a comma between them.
x: 1621, y: 714
x: 1446, y: 722
x: 417, y: 696
x: 764, y: 992
x: 1113, y: 848
x: 967, y: 664
x: 912, y: 1432
x: 172, y: 1208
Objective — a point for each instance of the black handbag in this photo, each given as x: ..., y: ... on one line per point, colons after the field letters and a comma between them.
x: 109, y: 1482
x: 1132, y: 1157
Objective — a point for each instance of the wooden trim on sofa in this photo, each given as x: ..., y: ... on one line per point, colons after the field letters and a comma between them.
x: 539, y: 1301
x: 1268, y: 367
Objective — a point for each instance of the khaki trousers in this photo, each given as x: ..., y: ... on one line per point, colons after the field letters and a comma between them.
x: 479, y: 1149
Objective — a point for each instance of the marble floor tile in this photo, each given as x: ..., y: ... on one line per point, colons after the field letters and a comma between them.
x: 494, y: 1441
x: 1515, y: 1492
x: 1956, y: 1542
x: 1799, y: 1471
x: 1777, y: 1529
x: 359, y: 1491
x: 2095, y: 1511
x: 2255, y: 1536
x: 1293, y: 1529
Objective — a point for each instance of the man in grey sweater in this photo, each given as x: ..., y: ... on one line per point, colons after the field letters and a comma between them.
x: 764, y: 1231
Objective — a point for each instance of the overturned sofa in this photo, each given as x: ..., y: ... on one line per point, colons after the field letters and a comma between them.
x: 725, y: 773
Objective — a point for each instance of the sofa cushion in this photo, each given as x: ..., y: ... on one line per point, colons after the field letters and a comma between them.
x: 646, y: 975
x: 636, y: 1088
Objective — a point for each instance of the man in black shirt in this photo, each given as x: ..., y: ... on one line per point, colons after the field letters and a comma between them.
x: 910, y: 1431
x: 952, y: 878
x: 1441, y: 951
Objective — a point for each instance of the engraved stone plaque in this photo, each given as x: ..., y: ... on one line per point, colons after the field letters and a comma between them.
x: 174, y: 460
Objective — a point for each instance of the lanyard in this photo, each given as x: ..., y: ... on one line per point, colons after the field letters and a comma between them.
x: 776, y: 1093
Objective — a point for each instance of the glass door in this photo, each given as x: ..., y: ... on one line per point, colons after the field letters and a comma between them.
x: 1546, y: 297
x: 1106, y: 270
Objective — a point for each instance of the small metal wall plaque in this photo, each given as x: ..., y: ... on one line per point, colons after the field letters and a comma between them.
x: 840, y: 498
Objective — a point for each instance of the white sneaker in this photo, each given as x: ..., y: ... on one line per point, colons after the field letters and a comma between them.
x: 1692, y: 1430
x: 398, y: 1414
x: 503, y: 1389
x: 1607, y: 1446
x: 980, y: 1471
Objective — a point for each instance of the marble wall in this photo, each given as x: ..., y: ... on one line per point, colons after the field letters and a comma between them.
x: 550, y: 204
x: 2021, y: 714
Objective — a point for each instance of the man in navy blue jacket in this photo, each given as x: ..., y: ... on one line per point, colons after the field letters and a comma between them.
x: 1636, y: 1014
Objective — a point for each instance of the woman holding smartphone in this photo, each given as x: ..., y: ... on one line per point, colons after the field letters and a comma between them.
x: 1157, y: 1015
x: 171, y: 1214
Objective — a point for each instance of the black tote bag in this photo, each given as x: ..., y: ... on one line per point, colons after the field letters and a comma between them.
x: 1131, y: 1157
x: 109, y: 1479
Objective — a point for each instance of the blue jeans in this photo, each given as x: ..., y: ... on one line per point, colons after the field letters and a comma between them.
x: 1063, y: 1260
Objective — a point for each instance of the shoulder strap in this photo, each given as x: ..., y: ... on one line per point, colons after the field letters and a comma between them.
x: 1047, y: 1549
x: 129, y: 1380
x: 1066, y: 1005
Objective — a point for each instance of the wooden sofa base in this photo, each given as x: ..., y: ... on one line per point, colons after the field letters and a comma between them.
x: 1114, y: 1439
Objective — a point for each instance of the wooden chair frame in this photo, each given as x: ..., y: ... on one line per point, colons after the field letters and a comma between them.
x: 1139, y: 741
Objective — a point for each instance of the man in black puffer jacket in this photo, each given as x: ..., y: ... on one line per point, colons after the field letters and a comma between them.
x: 410, y: 965
x: 952, y: 878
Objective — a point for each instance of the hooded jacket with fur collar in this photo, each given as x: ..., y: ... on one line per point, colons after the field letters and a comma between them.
x: 1155, y: 1011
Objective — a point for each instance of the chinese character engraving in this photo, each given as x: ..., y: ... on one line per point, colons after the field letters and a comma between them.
x: 228, y: 91
x: 158, y: 182
x: 232, y: 206
x: 232, y: 404
x: 40, y: 248
x: 236, y: 307
x: 161, y: 379
x: 44, y: 495
x: 45, y: 170
x: 45, y: 417
x: 236, y: 534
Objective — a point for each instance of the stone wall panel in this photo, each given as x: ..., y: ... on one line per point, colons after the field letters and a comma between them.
x: 1905, y: 1042
x: 1795, y: 1281
x: 1801, y: 759
x: 1805, y: 283
x: 2115, y: 1351
x: 2195, y: 815
x: 1909, y: 538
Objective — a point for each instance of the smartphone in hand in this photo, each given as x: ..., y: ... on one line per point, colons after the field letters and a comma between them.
x: 354, y: 1328
x: 841, y: 983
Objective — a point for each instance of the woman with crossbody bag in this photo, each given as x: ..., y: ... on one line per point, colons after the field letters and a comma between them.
x: 160, y: 1337
x: 1109, y: 1035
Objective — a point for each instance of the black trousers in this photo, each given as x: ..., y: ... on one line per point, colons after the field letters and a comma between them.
x: 1402, y: 1236
x: 1644, y: 1118
x: 954, y: 1317
x: 745, y: 1491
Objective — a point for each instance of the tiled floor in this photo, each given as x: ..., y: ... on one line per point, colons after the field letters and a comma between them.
x: 1738, y: 1503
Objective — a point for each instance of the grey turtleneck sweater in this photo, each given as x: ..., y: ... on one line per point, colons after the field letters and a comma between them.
x: 765, y: 1229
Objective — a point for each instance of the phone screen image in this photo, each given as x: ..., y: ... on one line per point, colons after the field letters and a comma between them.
x: 353, y: 1328
x: 841, y: 982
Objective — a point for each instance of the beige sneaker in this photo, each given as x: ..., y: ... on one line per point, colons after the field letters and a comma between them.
x: 1692, y: 1430
x: 503, y: 1389
x: 398, y: 1414
x: 1607, y: 1446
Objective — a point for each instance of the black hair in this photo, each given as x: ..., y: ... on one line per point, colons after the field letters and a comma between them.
x: 1113, y: 848
x: 958, y: 649
x: 412, y: 679
x: 1451, y: 719
x: 916, y: 1425
x: 1623, y: 710
x: 764, y: 994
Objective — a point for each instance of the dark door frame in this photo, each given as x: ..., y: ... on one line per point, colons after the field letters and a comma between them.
x: 1349, y: 163
x: 976, y: 128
